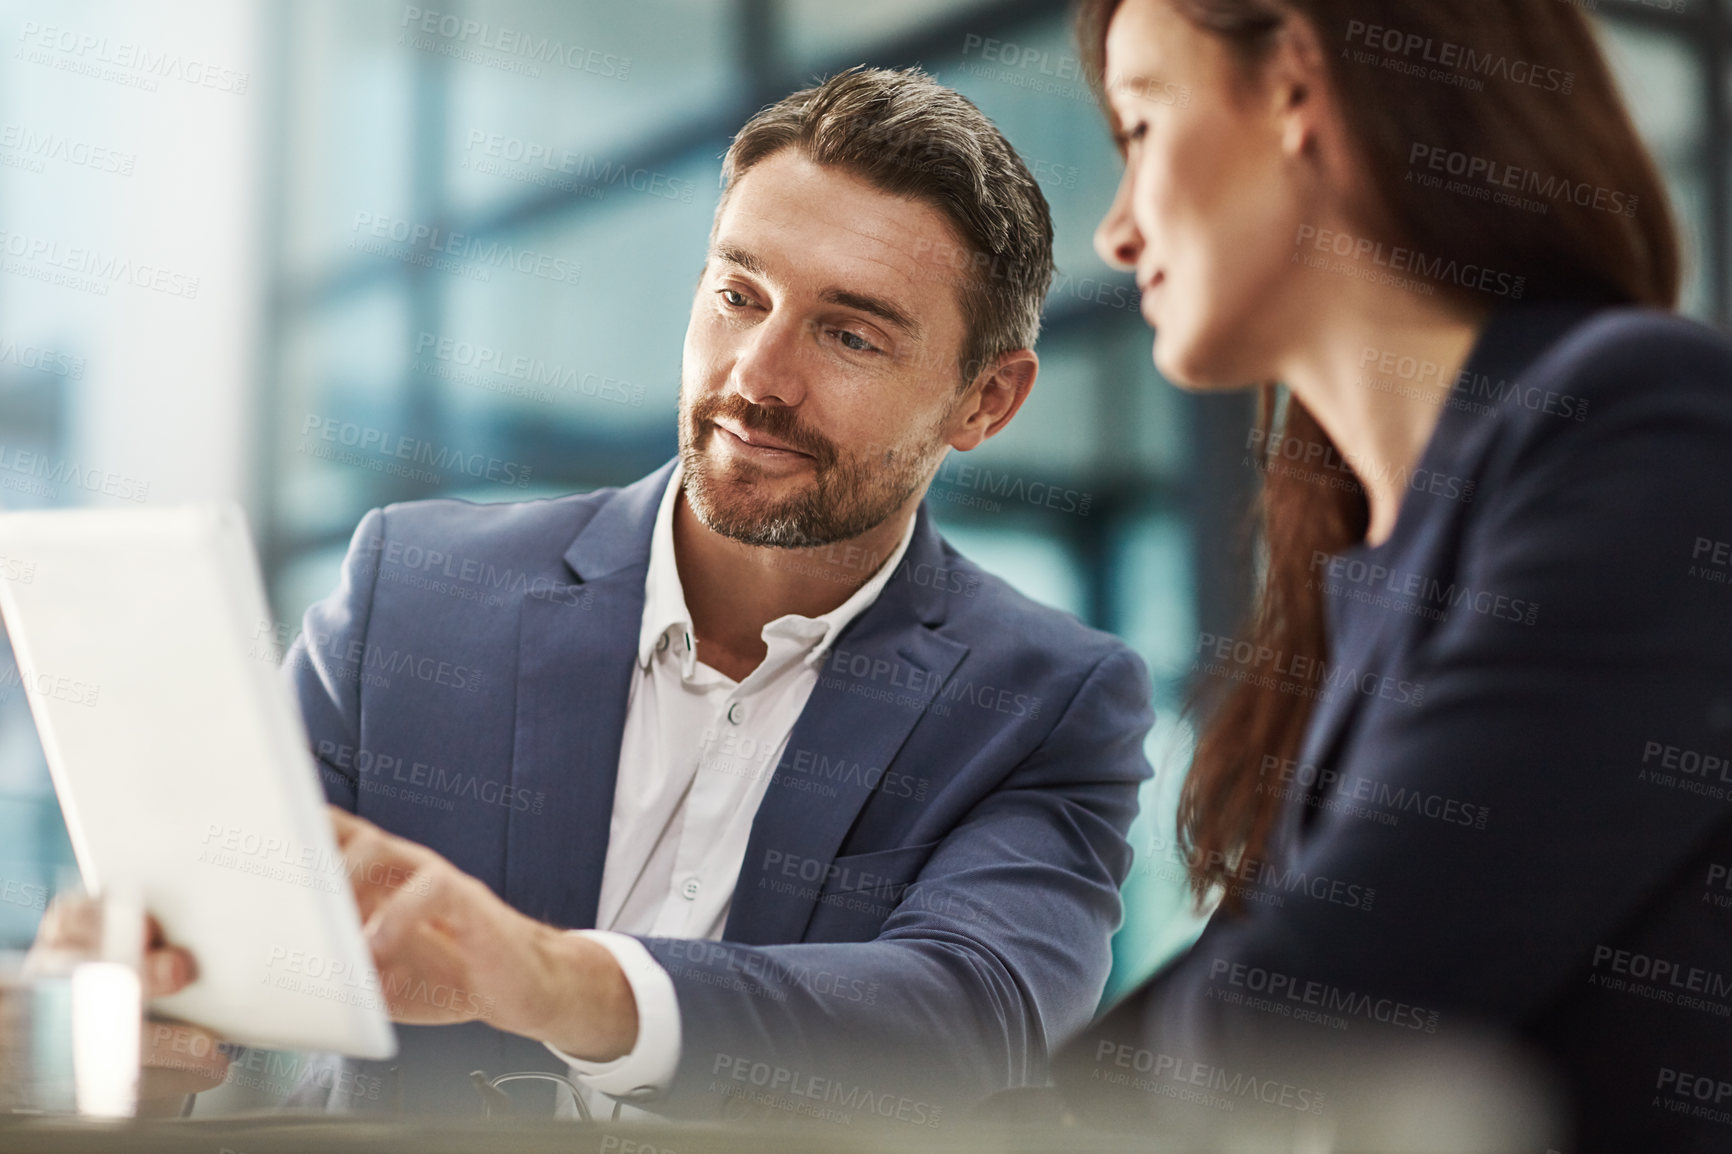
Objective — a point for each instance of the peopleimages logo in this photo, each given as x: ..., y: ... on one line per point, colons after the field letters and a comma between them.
x: 1231, y: 1085
x: 396, y: 446
x: 27, y: 471
x: 1363, y: 797
x: 89, y: 269
x: 137, y: 65
x: 1398, y: 260
x: 589, y: 172
x: 463, y: 37
x: 1230, y: 977
x: 1698, y: 1095
x: 1501, y: 179
x: 1468, y: 387
x: 784, y: 1088
x: 1411, y: 54
x: 43, y: 360
x: 424, y: 240
x: 1409, y: 592
x: 1012, y: 488
x: 540, y: 380
x: 1049, y: 72
x: 33, y: 148
x: 336, y: 980
x: 281, y: 1073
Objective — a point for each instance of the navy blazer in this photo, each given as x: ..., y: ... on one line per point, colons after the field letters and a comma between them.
x: 1513, y: 804
x: 931, y: 881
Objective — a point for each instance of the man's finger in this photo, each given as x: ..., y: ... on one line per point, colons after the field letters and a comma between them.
x: 379, y: 864
x: 415, y: 941
x: 424, y: 898
x: 347, y: 825
x: 378, y: 879
x: 361, y: 840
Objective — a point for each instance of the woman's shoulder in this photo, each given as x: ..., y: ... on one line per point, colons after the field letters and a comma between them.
x: 1648, y: 425
x: 1601, y: 518
x: 1573, y: 377
x: 1613, y: 351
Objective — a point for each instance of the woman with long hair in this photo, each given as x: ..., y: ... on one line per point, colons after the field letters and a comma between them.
x: 1469, y: 766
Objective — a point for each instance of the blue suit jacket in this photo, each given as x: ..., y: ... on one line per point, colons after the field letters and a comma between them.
x: 1513, y: 805
x: 932, y: 878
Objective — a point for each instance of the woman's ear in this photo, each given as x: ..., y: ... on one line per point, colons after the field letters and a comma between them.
x: 1309, y: 120
x: 1298, y: 87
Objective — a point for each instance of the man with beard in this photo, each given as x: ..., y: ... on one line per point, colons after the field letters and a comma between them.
x: 750, y: 793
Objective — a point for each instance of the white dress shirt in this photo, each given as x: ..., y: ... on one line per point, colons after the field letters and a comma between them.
x: 696, y: 756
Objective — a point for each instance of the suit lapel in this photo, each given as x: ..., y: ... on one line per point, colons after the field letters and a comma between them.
x: 576, y: 648
x: 896, y: 630
x: 1511, y: 340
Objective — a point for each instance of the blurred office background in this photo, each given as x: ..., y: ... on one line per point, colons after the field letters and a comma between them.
x: 245, y: 242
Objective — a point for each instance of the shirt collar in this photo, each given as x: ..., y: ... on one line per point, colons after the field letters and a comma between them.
x: 665, y: 615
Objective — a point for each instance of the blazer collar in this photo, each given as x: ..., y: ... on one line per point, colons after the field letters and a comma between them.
x: 901, y: 632
x: 1497, y: 372
x: 618, y: 535
x: 925, y: 583
x: 577, y: 648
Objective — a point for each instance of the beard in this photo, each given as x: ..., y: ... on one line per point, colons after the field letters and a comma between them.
x: 847, y: 495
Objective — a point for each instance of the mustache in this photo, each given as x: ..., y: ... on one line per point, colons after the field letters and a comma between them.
x: 779, y: 423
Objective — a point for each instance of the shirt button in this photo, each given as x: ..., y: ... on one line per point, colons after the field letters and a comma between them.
x: 691, y: 888
x: 736, y: 713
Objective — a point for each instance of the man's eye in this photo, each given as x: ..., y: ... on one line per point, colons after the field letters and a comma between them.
x: 854, y: 342
x: 735, y: 297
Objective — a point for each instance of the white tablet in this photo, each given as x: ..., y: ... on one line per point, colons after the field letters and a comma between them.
x: 143, y: 642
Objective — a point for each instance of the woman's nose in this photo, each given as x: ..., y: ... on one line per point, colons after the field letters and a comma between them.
x: 1116, y: 237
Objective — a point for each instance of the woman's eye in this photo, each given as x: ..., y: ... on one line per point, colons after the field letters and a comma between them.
x: 1128, y: 137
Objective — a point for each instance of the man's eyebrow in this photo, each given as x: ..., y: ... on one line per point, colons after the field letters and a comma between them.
x: 863, y: 302
x: 873, y: 306
x: 735, y: 255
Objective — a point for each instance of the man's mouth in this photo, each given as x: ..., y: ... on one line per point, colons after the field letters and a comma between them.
x: 756, y: 439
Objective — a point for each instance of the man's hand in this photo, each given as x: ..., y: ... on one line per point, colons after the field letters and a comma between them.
x: 448, y: 950
x: 177, y: 1058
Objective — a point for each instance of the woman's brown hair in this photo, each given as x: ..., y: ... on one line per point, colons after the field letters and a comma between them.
x: 1528, y: 89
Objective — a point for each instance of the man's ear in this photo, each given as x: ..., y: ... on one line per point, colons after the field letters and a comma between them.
x: 993, y: 399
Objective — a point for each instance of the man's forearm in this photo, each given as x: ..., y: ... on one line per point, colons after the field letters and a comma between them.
x: 940, y: 1022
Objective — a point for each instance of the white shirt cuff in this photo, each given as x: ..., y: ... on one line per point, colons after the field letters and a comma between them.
x: 649, y: 1068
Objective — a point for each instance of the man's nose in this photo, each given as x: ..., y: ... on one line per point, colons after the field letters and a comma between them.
x: 770, y: 369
